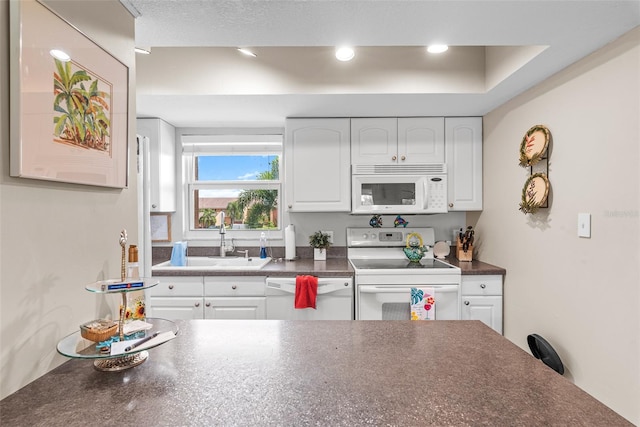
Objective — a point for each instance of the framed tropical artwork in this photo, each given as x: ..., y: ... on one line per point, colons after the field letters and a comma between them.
x: 69, y: 102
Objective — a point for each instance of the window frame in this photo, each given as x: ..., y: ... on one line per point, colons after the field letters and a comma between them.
x: 242, y: 144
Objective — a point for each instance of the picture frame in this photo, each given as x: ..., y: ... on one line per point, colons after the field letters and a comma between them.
x: 160, y: 227
x: 69, y: 115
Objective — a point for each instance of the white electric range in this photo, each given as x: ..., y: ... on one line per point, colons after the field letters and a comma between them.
x: 384, y: 275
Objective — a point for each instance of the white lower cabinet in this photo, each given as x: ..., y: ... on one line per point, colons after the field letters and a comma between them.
x: 482, y: 300
x: 209, y: 297
x: 229, y: 297
x: 176, y: 298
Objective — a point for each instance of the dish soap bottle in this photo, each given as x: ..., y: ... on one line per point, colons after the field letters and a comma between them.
x: 263, y: 245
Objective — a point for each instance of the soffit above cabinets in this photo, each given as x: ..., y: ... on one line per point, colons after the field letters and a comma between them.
x: 194, y: 75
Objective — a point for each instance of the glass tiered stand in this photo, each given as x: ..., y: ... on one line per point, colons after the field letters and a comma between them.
x: 77, y: 347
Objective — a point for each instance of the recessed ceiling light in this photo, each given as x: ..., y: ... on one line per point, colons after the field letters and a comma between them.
x: 437, y: 48
x: 345, y: 53
x: 60, y: 55
x: 143, y: 51
x: 246, y: 52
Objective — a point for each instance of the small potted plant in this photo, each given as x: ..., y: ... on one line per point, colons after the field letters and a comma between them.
x: 320, y: 242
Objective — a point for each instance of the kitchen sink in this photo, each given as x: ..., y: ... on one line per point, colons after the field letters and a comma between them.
x: 216, y: 263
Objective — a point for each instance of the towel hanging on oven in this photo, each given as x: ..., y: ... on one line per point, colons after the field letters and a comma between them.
x: 423, y: 304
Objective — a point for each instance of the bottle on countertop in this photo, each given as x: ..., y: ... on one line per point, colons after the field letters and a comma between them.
x: 263, y: 245
x: 134, y: 269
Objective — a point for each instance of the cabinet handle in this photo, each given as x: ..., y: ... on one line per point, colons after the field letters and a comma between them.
x: 290, y: 206
x: 466, y: 303
x: 346, y: 283
x: 394, y: 158
x: 234, y: 287
x: 197, y: 304
x: 482, y: 285
x: 450, y: 205
x: 403, y: 158
x: 170, y: 286
x: 154, y: 206
x: 208, y: 304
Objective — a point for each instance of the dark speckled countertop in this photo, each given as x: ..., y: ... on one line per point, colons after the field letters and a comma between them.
x: 475, y: 267
x: 324, y: 373
x: 331, y: 267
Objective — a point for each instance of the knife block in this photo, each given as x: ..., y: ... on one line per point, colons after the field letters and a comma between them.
x: 462, y: 255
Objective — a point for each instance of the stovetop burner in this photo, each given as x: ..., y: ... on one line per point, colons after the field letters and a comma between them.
x: 400, y: 264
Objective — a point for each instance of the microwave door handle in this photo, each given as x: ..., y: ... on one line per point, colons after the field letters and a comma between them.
x: 425, y: 183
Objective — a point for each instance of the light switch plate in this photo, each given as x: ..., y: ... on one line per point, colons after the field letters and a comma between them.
x: 584, y: 225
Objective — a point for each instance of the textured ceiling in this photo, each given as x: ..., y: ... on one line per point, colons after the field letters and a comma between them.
x: 527, y: 42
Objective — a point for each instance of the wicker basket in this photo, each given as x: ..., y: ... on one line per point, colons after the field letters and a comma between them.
x: 98, y: 330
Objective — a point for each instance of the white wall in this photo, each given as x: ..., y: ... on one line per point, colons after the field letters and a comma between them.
x: 581, y: 294
x: 57, y: 237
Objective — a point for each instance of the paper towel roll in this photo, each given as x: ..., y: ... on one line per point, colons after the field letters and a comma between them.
x: 290, y: 242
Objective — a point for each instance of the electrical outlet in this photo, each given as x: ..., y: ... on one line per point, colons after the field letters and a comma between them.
x: 330, y: 233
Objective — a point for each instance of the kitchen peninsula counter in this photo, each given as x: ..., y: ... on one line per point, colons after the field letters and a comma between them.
x: 329, y: 373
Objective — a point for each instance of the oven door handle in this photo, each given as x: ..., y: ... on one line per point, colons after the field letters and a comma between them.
x: 396, y: 289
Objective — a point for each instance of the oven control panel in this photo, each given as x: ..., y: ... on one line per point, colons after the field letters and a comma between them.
x: 390, y: 236
x: 384, y: 237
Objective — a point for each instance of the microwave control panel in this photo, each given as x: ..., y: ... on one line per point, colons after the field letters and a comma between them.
x: 437, y: 194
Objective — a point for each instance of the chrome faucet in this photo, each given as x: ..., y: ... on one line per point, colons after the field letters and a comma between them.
x: 223, y: 231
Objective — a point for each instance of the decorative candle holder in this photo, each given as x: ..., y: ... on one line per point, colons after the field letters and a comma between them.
x: 123, y: 276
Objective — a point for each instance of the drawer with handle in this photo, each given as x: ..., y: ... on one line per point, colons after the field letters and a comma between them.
x: 482, y: 285
x: 178, y: 287
x: 230, y: 286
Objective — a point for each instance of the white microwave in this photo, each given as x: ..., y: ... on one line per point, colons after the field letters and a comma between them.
x: 397, y: 193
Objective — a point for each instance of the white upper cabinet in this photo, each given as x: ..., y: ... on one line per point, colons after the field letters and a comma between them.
x: 317, y: 165
x: 405, y: 140
x: 421, y: 139
x: 374, y: 141
x: 162, y: 153
x: 463, y: 145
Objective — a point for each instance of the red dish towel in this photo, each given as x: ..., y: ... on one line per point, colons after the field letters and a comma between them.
x: 306, y: 291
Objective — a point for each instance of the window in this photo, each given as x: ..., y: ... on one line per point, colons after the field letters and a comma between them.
x: 235, y: 179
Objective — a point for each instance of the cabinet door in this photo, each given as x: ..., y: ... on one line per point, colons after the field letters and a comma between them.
x: 421, y: 140
x: 235, y: 308
x: 463, y: 146
x: 317, y: 159
x: 162, y: 154
x: 486, y: 309
x: 175, y: 308
x: 374, y: 141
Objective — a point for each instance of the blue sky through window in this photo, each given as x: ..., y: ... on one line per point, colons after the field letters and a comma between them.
x: 232, y: 168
